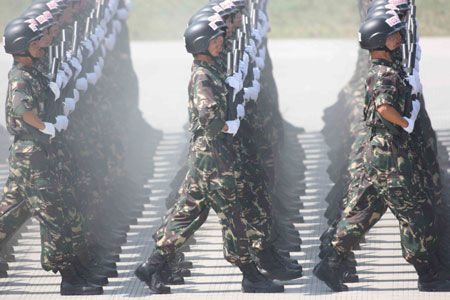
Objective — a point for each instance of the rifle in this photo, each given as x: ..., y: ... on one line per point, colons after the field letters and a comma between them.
x: 410, y: 46
x: 230, y: 96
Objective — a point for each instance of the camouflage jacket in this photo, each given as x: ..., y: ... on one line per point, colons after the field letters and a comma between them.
x: 27, y: 91
x: 211, y: 156
x: 385, y: 85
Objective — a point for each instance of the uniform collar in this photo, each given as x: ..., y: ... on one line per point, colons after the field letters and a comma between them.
x: 210, y: 66
x: 383, y: 62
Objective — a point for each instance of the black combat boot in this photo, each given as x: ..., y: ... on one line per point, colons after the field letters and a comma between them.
x: 288, y: 262
x: 254, y: 282
x: 150, y: 273
x: 3, y: 265
x: 328, y: 270
x: 430, y: 281
x: 88, y: 274
x: 72, y: 284
x: 273, y: 266
x: 171, y: 277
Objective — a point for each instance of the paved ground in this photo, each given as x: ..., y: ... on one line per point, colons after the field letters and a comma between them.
x: 300, y: 75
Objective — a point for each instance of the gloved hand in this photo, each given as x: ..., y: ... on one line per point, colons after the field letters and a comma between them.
x: 243, y: 69
x: 257, y: 36
x: 256, y: 85
x: 49, y: 130
x: 91, y: 78
x: 233, y: 126
x: 262, y: 53
x: 122, y: 14
x: 103, y: 48
x: 128, y: 4
x: 251, y: 50
x: 61, y: 123
x: 95, y: 40
x: 76, y: 95
x: 256, y: 73
x: 81, y: 84
x: 117, y: 25
x: 240, y: 110
x: 416, y: 109
x: 250, y: 93
x: 259, y: 62
x: 107, y: 16
x: 412, y: 80
x: 410, y: 126
x: 76, y: 65
x: 80, y: 55
x: 55, y: 89
x: 101, y: 62
x: 100, y: 33
x: 418, y: 52
x: 110, y: 41
x: 98, y: 71
x: 87, y: 44
x: 69, y: 106
x: 64, y: 79
x: 235, y: 81
x: 67, y: 70
x: 59, y: 81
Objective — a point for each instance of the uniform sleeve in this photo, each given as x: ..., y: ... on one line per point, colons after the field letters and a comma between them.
x: 21, y: 96
x: 385, y: 90
x: 209, y: 114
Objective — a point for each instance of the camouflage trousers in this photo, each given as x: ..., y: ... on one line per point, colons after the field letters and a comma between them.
x: 191, y: 211
x: 381, y: 184
x: 31, y: 189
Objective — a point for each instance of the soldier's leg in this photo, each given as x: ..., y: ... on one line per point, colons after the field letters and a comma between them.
x: 13, y: 211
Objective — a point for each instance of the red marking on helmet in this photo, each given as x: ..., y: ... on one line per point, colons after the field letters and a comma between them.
x: 391, y: 6
x: 41, y: 19
x: 52, y: 4
x: 392, y: 21
x: 213, y: 26
x: 215, y: 18
x: 217, y: 8
x: 33, y: 27
x: 398, y: 2
x: 48, y: 14
x: 31, y: 21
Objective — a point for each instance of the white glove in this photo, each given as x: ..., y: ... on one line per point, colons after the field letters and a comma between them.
x: 250, y: 93
x: 98, y: 71
x: 418, y: 51
x: 95, y: 40
x: 251, y: 51
x: 122, y: 14
x: 257, y: 36
x: 49, y: 129
x: 80, y: 55
x: 412, y: 80
x: 235, y: 81
x: 243, y: 68
x: 64, y: 79
x: 103, y: 48
x: 91, y: 78
x: 81, y: 84
x: 110, y: 41
x: 67, y: 70
x: 256, y: 73
x: 416, y: 109
x: 410, y: 126
x: 259, y: 62
x: 128, y: 4
x: 117, y: 26
x: 107, y: 16
x: 262, y: 17
x: 101, y: 62
x: 233, y: 126
x: 89, y: 46
x: 69, y: 106
x: 61, y: 123
x: 76, y: 65
x: 55, y: 89
x: 76, y: 95
x: 240, y: 110
x: 262, y: 53
x: 100, y: 33
x: 58, y: 80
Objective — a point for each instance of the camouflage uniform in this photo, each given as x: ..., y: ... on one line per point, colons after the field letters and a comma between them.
x: 32, y: 181
x: 388, y: 177
x: 211, y: 177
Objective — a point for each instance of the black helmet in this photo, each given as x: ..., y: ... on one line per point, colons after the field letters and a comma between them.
x: 208, y: 16
x: 374, y: 32
x: 402, y: 5
x: 43, y: 21
x: 51, y: 5
x: 62, y: 4
x: 216, y: 8
x: 19, y: 34
x: 198, y: 35
x: 376, y: 13
x: 240, y: 4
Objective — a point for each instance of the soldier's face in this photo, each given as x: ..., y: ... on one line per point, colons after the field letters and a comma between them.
x: 393, y: 41
x: 47, y: 39
x: 215, y: 46
x: 35, y: 48
x: 230, y: 25
x: 238, y: 20
x: 54, y: 30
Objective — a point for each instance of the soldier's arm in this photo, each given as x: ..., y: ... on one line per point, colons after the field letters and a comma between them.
x: 23, y: 104
x: 209, y: 114
x: 391, y: 114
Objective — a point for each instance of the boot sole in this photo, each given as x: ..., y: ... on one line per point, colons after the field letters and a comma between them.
x: 257, y: 291
x: 336, y: 288
x: 73, y: 293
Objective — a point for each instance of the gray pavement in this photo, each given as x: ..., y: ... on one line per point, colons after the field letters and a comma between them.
x: 309, y: 74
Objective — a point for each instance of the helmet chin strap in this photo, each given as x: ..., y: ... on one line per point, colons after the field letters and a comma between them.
x: 28, y: 54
